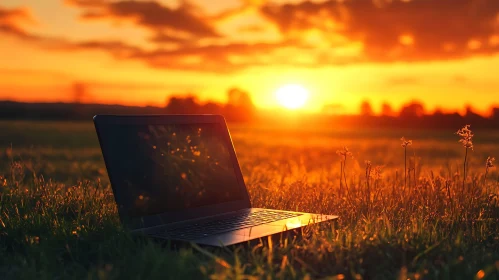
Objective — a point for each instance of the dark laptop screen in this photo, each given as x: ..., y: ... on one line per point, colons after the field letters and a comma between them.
x: 161, y: 168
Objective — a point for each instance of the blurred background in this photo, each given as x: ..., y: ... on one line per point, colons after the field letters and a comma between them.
x: 405, y: 63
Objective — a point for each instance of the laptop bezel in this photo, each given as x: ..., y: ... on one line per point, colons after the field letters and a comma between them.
x: 142, y: 222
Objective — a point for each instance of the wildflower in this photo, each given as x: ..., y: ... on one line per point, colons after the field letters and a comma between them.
x: 490, y: 162
x: 378, y: 170
x: 344, y: 153
x: 466, y: 137
x: 368, y: 163
x: 467, y: 140
x: 368, y: 169
x: 16, y: 169
x: 405, y: 142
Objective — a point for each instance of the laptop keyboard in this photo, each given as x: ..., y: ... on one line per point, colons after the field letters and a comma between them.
x: 224, y: 224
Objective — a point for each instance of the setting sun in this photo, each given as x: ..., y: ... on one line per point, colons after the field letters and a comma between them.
x: 292, y: 96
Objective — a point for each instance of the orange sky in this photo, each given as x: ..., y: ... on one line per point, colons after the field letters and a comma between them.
x: 443, y: 52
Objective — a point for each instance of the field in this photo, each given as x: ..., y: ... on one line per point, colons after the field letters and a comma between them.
x: 58, y: 219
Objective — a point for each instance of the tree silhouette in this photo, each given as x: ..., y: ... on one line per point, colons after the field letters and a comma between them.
x: 495, y: 113
x: 438, y: 112
x: 366, y: 109
x: 212, y: 108
x: 239, y: 98
x: 470, y: 115
x: 413, y: 109
x: 80, y: 91
x: 183, y: 105
x: 239, y: 107
x: 386, y: 109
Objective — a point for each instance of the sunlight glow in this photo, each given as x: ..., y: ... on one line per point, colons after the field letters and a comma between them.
x: 292, y: 96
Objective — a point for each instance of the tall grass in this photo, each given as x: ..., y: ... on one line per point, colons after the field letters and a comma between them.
x: 435, y: 229
x: 405, y: 144
x: 344, y: 154
x: 467, y: 141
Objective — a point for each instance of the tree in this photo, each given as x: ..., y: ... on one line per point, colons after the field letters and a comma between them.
x: 80, y: 91
x: 239, y: 98
x: 182, y: 105
x: 495, y: 113
x: 366, y: 109
x: 438, y: 112
x: 386, y: 109
x: 413, y: 109
x: 470, y: 113
x: 239, y: 107
x: 212, y: 108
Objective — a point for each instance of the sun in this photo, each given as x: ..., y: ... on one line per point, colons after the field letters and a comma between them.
x: 292, y: 96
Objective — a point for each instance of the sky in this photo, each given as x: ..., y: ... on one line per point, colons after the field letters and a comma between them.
x: 442, y: 52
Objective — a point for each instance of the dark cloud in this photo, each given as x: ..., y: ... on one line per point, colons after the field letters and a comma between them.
x: 214, y: 58
x: 116, y: 48
x: 13, y: 22
x: 16, y: 14
x: 217, y: 58
x: 221, y: 58
x: 385, y: 30
x: 12, y: 29
x: 165, y: 38
x: 399, y: 30
x: 188, y: 56
x: 149, y: 14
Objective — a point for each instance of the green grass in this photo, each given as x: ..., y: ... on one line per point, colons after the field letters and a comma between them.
x: 58, y: 218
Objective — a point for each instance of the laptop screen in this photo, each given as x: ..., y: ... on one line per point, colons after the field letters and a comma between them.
x: 162, y: 168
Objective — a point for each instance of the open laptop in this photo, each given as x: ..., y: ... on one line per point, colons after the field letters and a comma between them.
x: 177, y: 177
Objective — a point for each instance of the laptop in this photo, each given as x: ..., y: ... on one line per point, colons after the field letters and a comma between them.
x: 177, y: 177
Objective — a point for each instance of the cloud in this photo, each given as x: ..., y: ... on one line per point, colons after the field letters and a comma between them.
x: 187, y: 57
x: 11, y: 29
x: 117, y: 49
x: 399, y: 30
x: 17, y: 14
x: 214, y: 58
x: 313, y: 34
x: 13, y: 22
x: 149, y: 14
x: 165, y: 38
x: 217, y: 58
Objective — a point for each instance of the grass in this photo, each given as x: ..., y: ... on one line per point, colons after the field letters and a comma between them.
x: 58, y: 218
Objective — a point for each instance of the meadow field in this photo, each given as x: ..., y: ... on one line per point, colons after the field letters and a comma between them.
x: 58, y: 219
